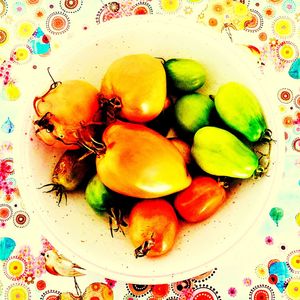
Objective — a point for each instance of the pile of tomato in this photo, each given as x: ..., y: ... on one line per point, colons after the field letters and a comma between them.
x: 150, y: 149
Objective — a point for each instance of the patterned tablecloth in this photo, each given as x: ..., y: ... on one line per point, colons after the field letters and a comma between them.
x: 270, y: 31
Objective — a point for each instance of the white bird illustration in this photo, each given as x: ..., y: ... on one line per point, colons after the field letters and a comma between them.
x: 57, y: 264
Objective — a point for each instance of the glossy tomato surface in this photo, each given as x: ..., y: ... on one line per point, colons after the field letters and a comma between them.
x: 200, y: 200
x: 141, y: 163
x: 139, y: 81
x: 153, y: 220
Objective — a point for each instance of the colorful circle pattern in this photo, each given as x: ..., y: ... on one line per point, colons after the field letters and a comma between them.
x: 283, y: 27
x: 50, y: 295
x: 142, y: 8
x: 5, y: 212
x: 138, y: 289
x: 180, y: 286
x: 256, y: 22
x: 21, y: 219
x: 3, y: 36
x: 293, y: 261
x: 3, y: 8
x: 261, y: 292
x: 21, y: 54
x: 14, y: 268
x: 287, y: 51
x: 285, y: 95
x: 71, y: 6
x: 292, y: 290
x: 18, y: 292
x: 58, y: 23
x: 205, y: 292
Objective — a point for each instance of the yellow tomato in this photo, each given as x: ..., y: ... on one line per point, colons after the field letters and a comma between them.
x: 62, y: 110
x: 141, y: 163
x: 139, y: 81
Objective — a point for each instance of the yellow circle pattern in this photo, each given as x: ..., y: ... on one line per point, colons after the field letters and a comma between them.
x: 25, y: 30
x: 294, y: 261
x: 15, y: 268
x: 293, y: 289
x: 17, y: 292
x: 170, y: 5
x: 283, y: 27
x: 287, y: 52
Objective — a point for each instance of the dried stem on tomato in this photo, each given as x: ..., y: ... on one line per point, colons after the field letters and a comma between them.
x: 116, y: 221
x: 143, y: 249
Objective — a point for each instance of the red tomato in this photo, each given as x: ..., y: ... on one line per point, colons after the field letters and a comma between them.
x: 153, y: 226
x: 200, y: 200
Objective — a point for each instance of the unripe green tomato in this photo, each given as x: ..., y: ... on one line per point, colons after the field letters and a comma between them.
x: 192, y: 111
x: 185, y: 74
x: 97, y: 195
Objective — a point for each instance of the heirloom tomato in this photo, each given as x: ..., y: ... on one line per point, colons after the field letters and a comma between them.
x: 71, y: 170
x: 220, y: 153
x: 192, y: 111
x: 240, y: 110
x: 185, y: 74
x: 141, y: 163
x: 97, y: 195
x: 62, y: 110
x: 153, y: 226
x: 200, y: 200
x: 139, y: 82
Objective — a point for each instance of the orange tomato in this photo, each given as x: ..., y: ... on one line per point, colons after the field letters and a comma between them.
x: 139, y: 81
x: 153, y: 227
x: 141, y: 163
x: 200, y: 200
x: 61, y: 112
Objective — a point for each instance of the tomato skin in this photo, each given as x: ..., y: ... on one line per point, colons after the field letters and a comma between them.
x: 200, y: 200
x: 139, y: 80
x: 156, y: 219
x: 67, y: 106
x: 140, y: 163
x: 183, y: 148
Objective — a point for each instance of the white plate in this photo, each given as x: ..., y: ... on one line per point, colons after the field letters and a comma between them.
x: 75, y: 229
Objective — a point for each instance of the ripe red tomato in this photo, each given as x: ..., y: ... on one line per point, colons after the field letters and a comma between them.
x: 153, y: 226
x: 200, y: 200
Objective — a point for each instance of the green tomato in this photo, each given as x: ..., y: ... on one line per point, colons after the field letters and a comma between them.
x: 240, y: 109
x: 185, y: 74
x: 220, y: 153
x: 192, y: 111
x: 97, y: 195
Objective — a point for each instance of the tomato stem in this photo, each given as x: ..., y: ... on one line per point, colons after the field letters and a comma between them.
x: 109, y: 109
x: 143, y: 249
x: 60, y: 191
x: 116, y: 218
x: 264, y: 159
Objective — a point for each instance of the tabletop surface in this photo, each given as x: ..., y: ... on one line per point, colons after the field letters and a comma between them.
x: 264, y: 267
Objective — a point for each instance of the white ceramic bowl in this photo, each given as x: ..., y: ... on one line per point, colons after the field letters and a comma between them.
x: 74, y: 229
